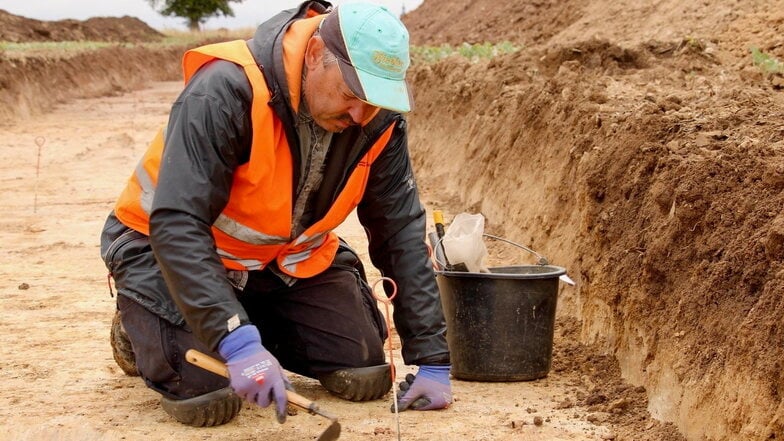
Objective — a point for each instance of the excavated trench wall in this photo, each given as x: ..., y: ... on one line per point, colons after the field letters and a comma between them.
x: 662, y: 202
x: 31, y: 85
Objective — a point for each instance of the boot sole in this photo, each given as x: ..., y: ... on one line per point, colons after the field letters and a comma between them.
x: 359, y: 384
x: 122, y: 351
x: 208, y: 410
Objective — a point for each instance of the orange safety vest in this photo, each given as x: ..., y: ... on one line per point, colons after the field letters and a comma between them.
x: 255, y: 226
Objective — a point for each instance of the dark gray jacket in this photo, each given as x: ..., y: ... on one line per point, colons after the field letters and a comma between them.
x: 208, y: 136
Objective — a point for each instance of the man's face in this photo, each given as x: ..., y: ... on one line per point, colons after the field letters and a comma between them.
x: 330, y: 101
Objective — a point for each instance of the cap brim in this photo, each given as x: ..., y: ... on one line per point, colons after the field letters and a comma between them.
x: 381, y: 92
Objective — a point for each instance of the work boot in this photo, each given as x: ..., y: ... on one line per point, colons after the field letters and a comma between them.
x: 211, y: 409
x: 359, y: 384
x: 121, y: 347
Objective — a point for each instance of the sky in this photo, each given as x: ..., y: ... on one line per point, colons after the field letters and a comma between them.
x: 248, y: 13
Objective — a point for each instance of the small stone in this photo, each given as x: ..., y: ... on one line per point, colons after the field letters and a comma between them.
x: 620, y: 405
x: 382, y: 431
x: 565, y: 404
x: 702, y: 140
x: 597, y: 418
x: 595, y: 398
x: 516, y: 424
x: 24, y: 286
x: 538, y: 421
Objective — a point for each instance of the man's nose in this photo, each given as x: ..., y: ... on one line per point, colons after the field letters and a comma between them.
x: 360, y: 111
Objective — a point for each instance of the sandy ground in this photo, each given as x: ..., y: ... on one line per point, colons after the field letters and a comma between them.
x: 60, y: 175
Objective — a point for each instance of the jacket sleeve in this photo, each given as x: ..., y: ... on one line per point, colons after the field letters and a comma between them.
x: 394, y: 219
x: 207, y: 136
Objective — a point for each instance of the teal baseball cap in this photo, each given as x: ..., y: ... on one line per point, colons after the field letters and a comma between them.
x: 371, y: 45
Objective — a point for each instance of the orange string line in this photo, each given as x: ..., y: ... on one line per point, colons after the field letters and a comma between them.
x: 387, y: 301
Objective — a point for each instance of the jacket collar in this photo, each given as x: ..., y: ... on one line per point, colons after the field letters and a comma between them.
x: 267, y: 47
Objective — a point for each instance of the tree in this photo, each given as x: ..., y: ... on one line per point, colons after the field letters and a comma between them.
x: 195, y: 12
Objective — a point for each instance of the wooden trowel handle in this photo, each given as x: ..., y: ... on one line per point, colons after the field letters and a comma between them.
x: 204, y: 361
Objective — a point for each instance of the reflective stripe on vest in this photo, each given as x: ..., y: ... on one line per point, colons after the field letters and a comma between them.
x: 224, y: 223
x: 248, y: 264
x: 290, y: 261
x: 148, y: 189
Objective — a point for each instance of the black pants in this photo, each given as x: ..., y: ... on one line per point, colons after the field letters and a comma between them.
x: 319, y: 324
x: 315, y: 326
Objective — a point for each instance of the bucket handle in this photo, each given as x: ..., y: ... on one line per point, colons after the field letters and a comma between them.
x: 542, y: 260
x: 445, y: 265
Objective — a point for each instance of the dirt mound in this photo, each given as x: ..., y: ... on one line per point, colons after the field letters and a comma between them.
x: 735, y: 25
x: 469, y: 21
x: 16, y: 29
x: 641, y: 147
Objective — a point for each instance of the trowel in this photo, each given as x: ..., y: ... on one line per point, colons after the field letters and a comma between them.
x: 204, y: 361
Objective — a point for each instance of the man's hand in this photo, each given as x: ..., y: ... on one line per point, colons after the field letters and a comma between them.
x: 254, y: 373
x: 429, y: 389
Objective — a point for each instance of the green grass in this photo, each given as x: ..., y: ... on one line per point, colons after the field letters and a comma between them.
x: 67, y: 49
x: 172, y: 38
x: 186, y: 38
x: 472, y: 52
x: 37, y: 47
x: 767, y: 64
x: 61, y: 50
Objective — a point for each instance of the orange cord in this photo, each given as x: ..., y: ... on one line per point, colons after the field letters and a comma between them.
x: 387, y: 301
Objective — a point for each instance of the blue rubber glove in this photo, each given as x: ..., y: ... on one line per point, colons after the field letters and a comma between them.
x: 429, y: 389
x: 254, y: 373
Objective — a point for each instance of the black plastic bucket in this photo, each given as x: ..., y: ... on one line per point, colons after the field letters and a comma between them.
x: 500, y: 324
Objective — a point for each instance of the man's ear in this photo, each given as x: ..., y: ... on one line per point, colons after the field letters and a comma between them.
x: 314, y: 52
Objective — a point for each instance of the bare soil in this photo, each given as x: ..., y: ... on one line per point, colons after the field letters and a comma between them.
x: 636, y: 144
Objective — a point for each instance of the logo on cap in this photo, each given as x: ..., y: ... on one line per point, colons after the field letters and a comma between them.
x: 388, y: 62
